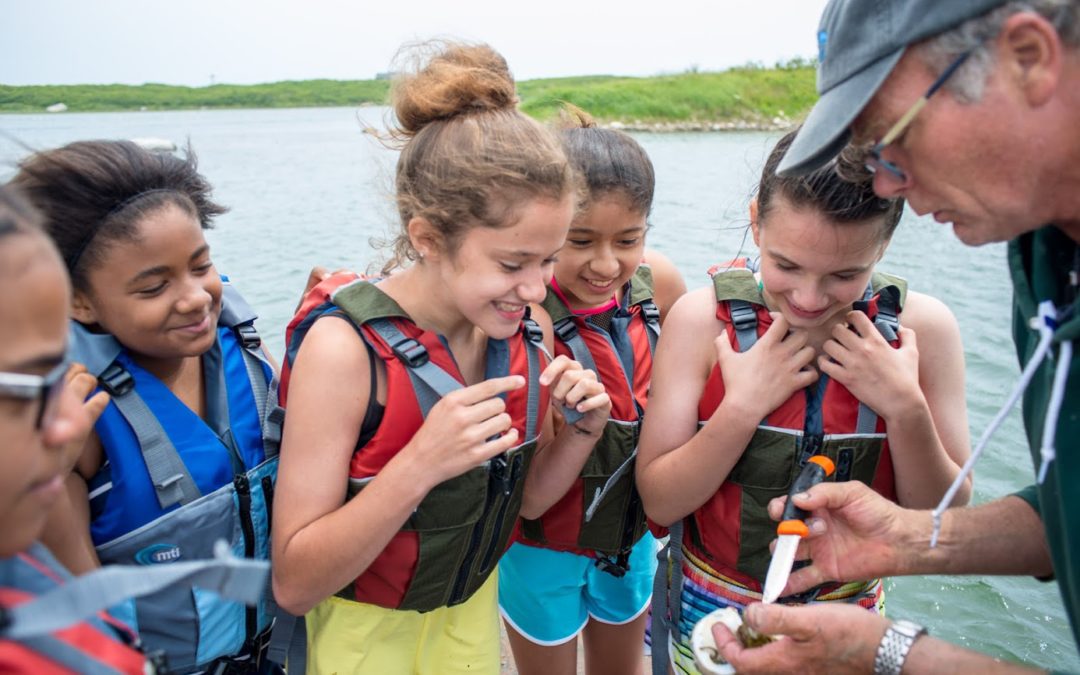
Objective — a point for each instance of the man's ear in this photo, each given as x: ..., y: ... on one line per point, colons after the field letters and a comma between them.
x: 1031, y: 50
x: 82, y: 310
x: 754, y: 226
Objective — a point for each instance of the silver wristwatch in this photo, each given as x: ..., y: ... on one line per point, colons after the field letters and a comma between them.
x: 895, y: 645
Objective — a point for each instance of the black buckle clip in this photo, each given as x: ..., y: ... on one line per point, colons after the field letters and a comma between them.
x: 411, y: 352
x: 501, y: 471
x: 616, y: 568
x: 650, y: 311
x: 116, y: 380
x: 249, y: 336
x: 533, y: 332
x: 743, y: 316
x: 565, y: 330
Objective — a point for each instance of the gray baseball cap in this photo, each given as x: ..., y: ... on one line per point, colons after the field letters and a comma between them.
x: 859, y: 43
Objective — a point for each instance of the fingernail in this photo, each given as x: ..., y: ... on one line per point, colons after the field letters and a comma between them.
x: 802, y: 496
x: 815, y: 525
x: 752, y: 614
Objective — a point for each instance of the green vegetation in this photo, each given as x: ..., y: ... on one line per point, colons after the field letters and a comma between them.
x: 750, y: 94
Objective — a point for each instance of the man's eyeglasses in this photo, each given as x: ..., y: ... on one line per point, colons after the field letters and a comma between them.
x: 874, y: 161
x: 45, y: 389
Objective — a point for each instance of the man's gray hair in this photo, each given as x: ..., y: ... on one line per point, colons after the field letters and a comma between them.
x: 975, y: 34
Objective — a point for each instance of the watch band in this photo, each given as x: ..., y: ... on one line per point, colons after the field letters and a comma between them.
x: 895, y: 645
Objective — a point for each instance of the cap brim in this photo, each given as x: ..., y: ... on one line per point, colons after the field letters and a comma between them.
x: 827, y: 128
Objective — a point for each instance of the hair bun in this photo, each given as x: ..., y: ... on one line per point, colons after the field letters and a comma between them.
x: 441, y: 80
x: 572, y: 117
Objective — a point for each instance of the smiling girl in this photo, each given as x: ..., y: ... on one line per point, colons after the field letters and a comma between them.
x: 586, y: 565
x: 418, y: 423
x: 810, y: 352
x: 184, y: 455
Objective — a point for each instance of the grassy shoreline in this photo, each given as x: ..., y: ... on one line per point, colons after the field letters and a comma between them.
x: 748, y: 97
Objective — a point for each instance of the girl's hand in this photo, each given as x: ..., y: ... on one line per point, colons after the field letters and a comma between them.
x: 883, y: 378
x: 767, y: 374
x: 78, y: 383
x: 465, y: 428
x: 577, y: 388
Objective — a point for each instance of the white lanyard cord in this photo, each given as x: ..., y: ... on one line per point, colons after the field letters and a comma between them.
x: 1045, y: 323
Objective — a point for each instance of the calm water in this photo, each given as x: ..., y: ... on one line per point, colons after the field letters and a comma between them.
x: 307, y: 187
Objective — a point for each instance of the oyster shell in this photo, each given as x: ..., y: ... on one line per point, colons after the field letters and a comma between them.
x: 706, y: 655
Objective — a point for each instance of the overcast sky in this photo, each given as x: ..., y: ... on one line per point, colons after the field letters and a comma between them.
x: 196, y: 42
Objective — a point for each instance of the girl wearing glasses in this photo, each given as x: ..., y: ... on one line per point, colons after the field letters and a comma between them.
x: 42, y: 419
x: 808, y: 352
x: 185, y: 453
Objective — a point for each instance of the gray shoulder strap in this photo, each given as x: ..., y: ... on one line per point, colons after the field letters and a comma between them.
x: 430, y: 382
x: 172, y: 481
x: 239, y: 579
x: 667, y: 598
x: 95, y: 351
x: 237, y: 314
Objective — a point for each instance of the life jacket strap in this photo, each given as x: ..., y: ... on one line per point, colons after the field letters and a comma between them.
x: 744, y: 319
x: 172, y: 481
x: 667, y: 597
x: 235, y: 578
x: 651, y: 314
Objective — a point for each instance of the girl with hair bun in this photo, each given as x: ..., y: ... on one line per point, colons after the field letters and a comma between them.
x: 418, y: 424
x: 586, y: 565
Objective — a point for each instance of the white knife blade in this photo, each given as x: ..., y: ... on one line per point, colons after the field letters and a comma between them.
x: 780, y: 566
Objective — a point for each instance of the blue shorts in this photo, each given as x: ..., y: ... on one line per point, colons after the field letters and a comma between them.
x: 548, y: 596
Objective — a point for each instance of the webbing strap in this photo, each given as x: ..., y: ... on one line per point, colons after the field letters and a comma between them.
x: 288, y: 641
x: 567, y: 332
x: 744, y: 319
x: 651, y: 314
x: 867, y: 420
x: 172, y: 481
x: 534, y: 342
x: 667, y: 614
x: 598, y: 498
x: 68, y: 655
x: 271, y: 415
x: 240, y: 579
x: 430, y: 382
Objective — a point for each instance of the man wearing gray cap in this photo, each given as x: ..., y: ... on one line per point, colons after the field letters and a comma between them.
x: 970, y: 110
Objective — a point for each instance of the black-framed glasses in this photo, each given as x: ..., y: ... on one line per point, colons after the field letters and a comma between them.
x: 874, y: 160
x: 45, y: 389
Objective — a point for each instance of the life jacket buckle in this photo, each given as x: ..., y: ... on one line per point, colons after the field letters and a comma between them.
x: 650, y: 311
x: 533, y: 332
x: 411, y: 352
x: 565, y: 330
x: 616, y: 568
x: 116, y: 380
x: 743, y: 316
x: 249, y: 336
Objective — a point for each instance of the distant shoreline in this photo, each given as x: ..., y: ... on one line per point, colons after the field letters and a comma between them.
x: 747, y: 98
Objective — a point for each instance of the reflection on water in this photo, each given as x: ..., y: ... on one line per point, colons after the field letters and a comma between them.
x: 307, y: 187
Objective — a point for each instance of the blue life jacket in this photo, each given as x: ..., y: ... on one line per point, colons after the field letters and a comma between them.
x: 173, y: 484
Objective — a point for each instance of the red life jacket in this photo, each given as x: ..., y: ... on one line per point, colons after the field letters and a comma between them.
x: 601, y: 515
x: 98, y: 645
x: 452, y: 542
x: 732, y: 530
